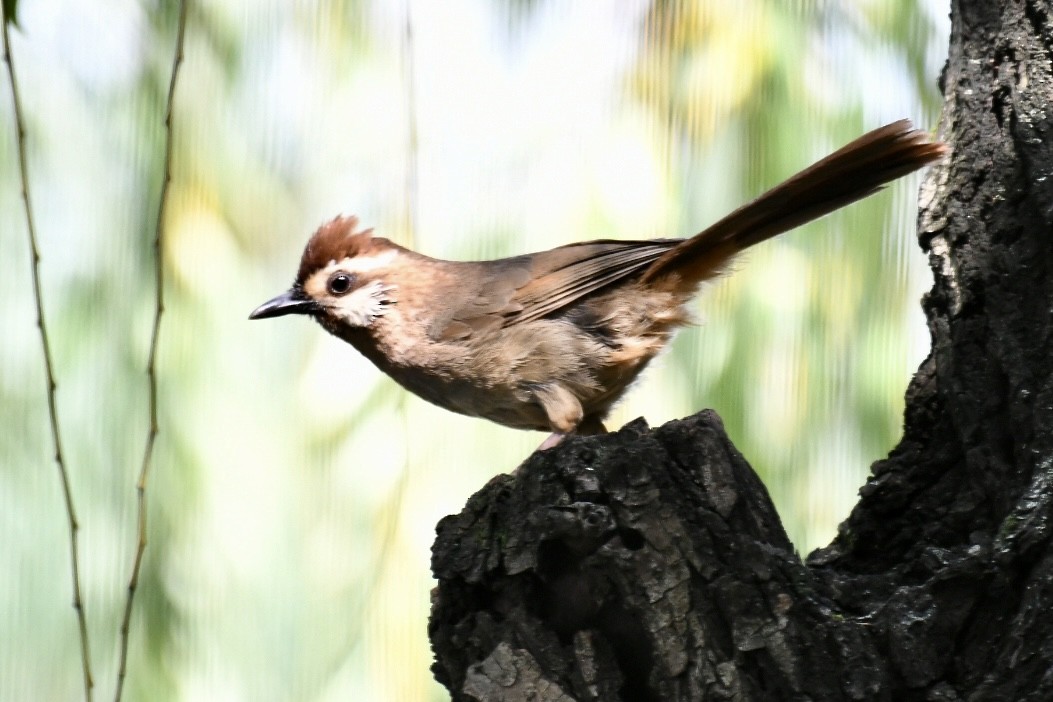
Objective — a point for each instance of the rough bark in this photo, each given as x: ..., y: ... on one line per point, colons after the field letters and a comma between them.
x: 651, y: 565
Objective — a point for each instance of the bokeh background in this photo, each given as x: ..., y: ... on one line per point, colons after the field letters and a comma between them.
x: 295, y: 490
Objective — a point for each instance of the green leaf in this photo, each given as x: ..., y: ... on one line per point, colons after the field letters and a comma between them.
x: 10, y: 16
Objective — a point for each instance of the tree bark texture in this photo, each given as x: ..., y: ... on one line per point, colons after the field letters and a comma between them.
x: 651, y: 564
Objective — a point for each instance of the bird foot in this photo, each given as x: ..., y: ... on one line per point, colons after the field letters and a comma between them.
x: 553, y: 439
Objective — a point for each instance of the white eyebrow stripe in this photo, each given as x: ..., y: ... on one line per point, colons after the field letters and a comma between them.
x: 365, y: 264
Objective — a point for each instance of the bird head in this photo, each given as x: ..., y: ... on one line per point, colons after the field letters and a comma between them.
x: 341, y: 278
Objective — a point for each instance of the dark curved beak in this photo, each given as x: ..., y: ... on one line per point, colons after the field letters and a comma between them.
x: 289, y: 302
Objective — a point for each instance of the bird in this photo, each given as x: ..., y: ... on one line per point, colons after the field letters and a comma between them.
x: 552, y: 340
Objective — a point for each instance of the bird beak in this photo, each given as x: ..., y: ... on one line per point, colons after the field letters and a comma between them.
x: 289, y: 302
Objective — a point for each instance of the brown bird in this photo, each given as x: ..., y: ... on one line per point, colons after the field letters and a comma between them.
x: 552, y: 340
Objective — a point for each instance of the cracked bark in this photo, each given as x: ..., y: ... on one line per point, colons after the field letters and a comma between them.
x: 651, y: 564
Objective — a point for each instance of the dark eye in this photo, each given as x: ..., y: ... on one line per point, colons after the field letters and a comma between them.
x: 339, y: 283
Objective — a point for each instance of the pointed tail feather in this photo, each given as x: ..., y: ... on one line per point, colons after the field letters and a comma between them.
x: 849, y: 174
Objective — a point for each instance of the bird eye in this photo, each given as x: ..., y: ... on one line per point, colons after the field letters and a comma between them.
x: 339, y: 283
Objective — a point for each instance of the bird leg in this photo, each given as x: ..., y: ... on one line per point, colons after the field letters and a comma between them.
x: 589, y: 426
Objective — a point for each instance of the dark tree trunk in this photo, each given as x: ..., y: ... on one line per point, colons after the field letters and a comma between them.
x: 651, y: 565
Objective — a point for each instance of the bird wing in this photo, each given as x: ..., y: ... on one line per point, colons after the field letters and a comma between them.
x: 520, y: 289
x: 566, y: 274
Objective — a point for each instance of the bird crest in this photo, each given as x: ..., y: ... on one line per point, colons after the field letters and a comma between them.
x: 335, y: 240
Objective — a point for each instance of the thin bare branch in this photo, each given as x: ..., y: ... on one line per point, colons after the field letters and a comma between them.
x: 49, y: 368
x: 393, y: 506
x: 151, y: 364
x: 409, y: 217
x: 409, y: 79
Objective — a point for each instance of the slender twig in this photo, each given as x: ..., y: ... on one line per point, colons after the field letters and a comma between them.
x: 151, y: 364
x: 409, y: 78
x: 409, y: 214
x: 49, y: 368
x: 409, y: 218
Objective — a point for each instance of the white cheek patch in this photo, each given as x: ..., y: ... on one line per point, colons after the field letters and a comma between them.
x: 362, y: 306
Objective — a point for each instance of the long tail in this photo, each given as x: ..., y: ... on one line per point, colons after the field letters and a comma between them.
x: 849, y: 174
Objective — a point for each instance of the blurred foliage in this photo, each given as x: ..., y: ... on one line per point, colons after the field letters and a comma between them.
x: 295, y: 490
x: 10, y: 8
